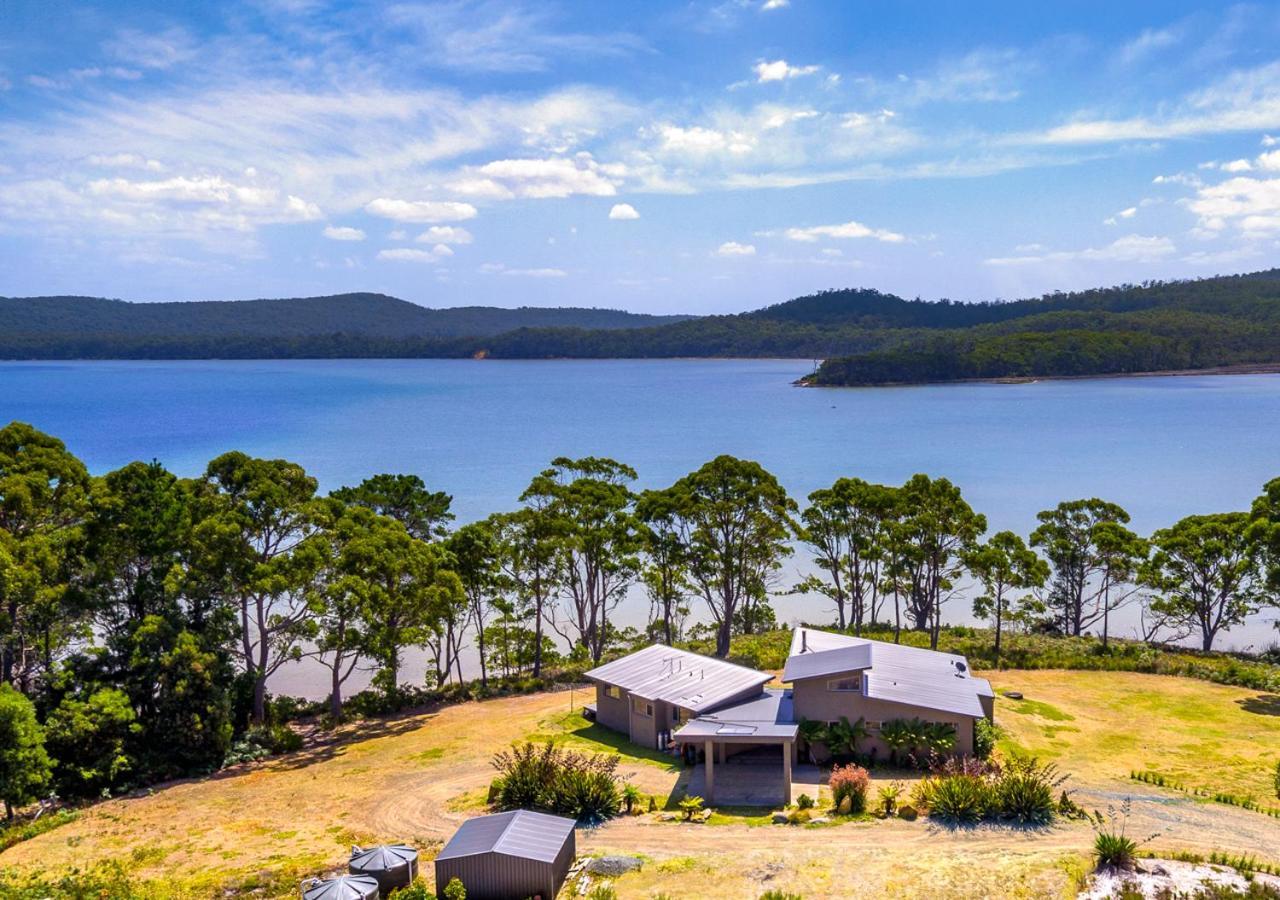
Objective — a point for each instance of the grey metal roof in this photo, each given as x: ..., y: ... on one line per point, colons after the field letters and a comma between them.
x: 522, y: 833
x: 928, y: 679
x: 828, y: 662
x: 381, y: 858
x: 767, y: 716
x: 688, y: 680
x: 344, y: 887
x: 954, y: 697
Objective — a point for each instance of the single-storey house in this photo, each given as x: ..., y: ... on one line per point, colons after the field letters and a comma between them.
x: 510, y: 854
x: 723, y: 713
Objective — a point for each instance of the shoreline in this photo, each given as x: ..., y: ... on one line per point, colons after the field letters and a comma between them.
x: 1240, y: 369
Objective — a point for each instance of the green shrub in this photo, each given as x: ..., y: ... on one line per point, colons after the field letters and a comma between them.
x: 798, y: 817
x: 418, y: 891
x: 631, y: 797
x: 889, y: 795
x: 1024, y: 791
x: 1112, y: 846
x: 550, y: 778
x: 691, y: 806
x: 804, y: 801
x: 262, y: 741
x: 850, y: 781
x: 956, y: 798
x: 603, y: 892
x: 25, y: 831
x: 454, y: 890
x: 780, y: 895
x: 985, y: 735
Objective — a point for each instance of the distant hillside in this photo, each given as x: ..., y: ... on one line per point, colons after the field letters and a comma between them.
x: 865, y: 336
x: 373, y: 315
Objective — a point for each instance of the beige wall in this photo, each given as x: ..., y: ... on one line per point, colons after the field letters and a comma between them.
x: 812, y: 700
x: 613, y: 713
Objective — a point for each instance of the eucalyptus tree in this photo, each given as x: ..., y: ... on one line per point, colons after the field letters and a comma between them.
x: 1068, y: 536
x: 529, y: 543
x: 476, y: 558
x: 1264, y: 533
x: 44, y: 499
x: 1206, y: 573
x: 254, y: 545
x: 1121, y: 555
x: 597, y: 542
x: 937, y: 529
x: 665, y: 571
x: 25, y: 767
x: 1003, y: 565
x: 424, y: 513
x: 403, y: 586
x: 845, y: 526
x: 734, y: 520
x: 338, y: 595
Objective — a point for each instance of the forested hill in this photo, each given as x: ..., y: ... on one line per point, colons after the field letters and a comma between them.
x: 374, y: 315
x: 867, y: 337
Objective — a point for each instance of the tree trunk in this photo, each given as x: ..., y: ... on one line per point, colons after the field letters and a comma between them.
x: 999, y: 622
x: 260, y: 698
x: 723, y: 634
x: 335, y: 698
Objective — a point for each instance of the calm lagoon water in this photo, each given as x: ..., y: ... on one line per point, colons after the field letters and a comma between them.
x: 1161, y: 447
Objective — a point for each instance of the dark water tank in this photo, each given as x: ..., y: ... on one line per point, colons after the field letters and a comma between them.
x: 344, y: 887
x: 392, y: 865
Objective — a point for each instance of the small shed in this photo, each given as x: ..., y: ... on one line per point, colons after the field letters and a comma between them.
x: 511, y: 854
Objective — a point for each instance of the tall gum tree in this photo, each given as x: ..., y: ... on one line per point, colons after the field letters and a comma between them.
x: 734, y: 520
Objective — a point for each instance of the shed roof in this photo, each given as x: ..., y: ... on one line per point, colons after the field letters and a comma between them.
x: 912, y: 675
x: 768, y: 716
x: 688, y: 680
x: 528, y: 835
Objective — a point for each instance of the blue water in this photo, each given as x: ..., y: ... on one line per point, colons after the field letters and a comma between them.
x: 1161, y: 447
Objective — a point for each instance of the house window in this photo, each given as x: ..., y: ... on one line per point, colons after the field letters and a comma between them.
x: 613, y: 691
x: 872, y: 727
x: 641, y: 706
x: 845, y: 684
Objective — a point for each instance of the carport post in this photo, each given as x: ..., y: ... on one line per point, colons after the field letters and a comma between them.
x: 786, y: 771
x: 711, y: 772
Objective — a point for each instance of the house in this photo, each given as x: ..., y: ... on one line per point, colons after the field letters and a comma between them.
x: 510, y: 854
x: 724, y: 715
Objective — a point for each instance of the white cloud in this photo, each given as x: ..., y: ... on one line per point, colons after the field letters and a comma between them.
x: 159, y: 50
x: 623, y: 211
x: 1148, y: 42
x: 444, y: 234
x: 1251, y: 204
x: 420, y: 211
x: 501, y: 269
x: 1269, y: 141
x: 1127, y: 213
x: 124, y: 161
x: 410, y: 254
x: 1131, y: 248
x: 343, y: 233
x: 733, y: 248
x: 1269, y: 161
x: 842, y: 231
x: 775, y: 4
x: 540, y: 178
x: 781, y: 70
x: 1237, y: 165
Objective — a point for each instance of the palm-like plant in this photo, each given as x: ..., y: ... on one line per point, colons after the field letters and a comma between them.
x: 843, y: 738
x: 897, y: 735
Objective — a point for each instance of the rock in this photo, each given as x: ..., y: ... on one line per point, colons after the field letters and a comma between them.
x: 819, y: 820
x: 908, y: 813
x: 668, y: 817
x: 779, y: 818
x: 846, y: 805
x: 613, y: 866
x: 1013, y: 695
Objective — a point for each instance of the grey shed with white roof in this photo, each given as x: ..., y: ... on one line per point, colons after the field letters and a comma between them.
x: 508, y: 855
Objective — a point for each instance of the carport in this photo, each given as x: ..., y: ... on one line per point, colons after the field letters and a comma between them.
x: 749, y: 748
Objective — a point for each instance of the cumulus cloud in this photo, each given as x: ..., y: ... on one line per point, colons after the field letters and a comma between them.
x: 843, y: 231
x: 343, y: 233
x: 505, y: 179
x: 623, y: 211
x: 1237, y: 165
x: 781, y: 70
x: 444, y: 234
x: 1250, y: 204
x: 733, y: 248
x: 1132, y: 248
x: 420, y: 211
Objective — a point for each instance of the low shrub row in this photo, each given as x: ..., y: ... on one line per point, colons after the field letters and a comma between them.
x: 1157, y: 779
x: 26, y: 830
x: 1021, y: 790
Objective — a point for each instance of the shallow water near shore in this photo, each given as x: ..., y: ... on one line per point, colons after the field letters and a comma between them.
x: 1161, y: 447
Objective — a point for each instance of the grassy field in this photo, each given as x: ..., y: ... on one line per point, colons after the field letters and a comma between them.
x: 259, y: 830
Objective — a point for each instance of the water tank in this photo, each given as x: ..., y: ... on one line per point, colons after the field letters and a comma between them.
x: 392, y: 865
x: 344, y: 887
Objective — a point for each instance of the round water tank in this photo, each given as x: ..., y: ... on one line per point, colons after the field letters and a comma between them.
x: 344, y: 887
x: 393, y: 865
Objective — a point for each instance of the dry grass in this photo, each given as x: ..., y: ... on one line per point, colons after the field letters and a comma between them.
x: 416, y: 778
x: 1100, y: 725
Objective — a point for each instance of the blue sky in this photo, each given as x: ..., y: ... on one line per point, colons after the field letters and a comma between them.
x: 688, y: 156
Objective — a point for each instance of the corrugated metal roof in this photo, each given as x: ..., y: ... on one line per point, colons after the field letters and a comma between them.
x: 928, y: 679
x: 769, y: 715
x: 957, y: 697
x: 828, y: 662
x: 522, y: 833
x: 688, y: 680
